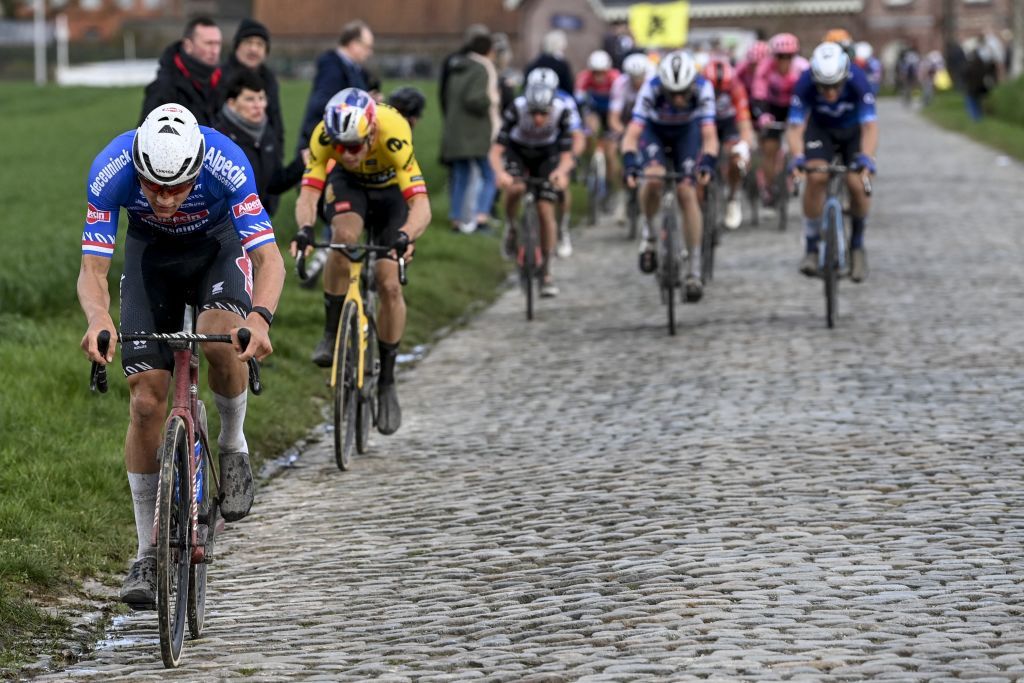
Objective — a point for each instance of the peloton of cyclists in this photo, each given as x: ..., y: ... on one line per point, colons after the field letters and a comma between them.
x: 735, y: 130
x: 535, y: 140
x: 833, y: 113
x: 673, y: 126
x: 593, y: 92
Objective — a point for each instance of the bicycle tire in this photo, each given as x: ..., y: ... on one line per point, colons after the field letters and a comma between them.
x: 208, y: 511
x: 753, y: 195
x: 592, y: 197
x: 173, y: 547
x: 633, y: 214
x: 368, y: 396
x: 528, y: 261
x: 345, y: 390
x: 831, y: 269
x: 708, y: 233
x: 782, y: 199
x: 670, y: 259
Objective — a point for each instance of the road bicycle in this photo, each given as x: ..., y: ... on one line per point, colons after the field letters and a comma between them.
x: 833, y: 245
x: 712, y: 210
x: 529, y: 254
x: 632, y: 212
x: 187, y: 516
x: 355, y: 368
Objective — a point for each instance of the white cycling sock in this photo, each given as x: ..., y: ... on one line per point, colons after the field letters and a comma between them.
x: 232, y: 419
x: 143, y: 488
x: 812, y: 230
x: 695, y: 261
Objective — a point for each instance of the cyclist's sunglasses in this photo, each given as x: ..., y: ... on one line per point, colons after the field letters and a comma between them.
x: 786, y: 55
x: 680, y: 93
x: 539, y: 110
x: 835, y: 87
x: 168, y: 189
x: 354, y: 147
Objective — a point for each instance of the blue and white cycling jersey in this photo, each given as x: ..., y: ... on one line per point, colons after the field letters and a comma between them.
x: 225, y: 190
x: 655, y: 108
x: 855, y: 106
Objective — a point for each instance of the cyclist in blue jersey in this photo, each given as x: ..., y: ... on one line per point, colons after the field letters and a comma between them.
x: 833, y: 113
x: 673, y: 123
x: 197, y: 234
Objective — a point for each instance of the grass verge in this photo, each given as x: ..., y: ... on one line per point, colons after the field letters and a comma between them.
x: 948, y: 110
x: 65, y: 507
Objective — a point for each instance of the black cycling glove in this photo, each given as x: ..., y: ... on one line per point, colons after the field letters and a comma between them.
x: 401, y: 244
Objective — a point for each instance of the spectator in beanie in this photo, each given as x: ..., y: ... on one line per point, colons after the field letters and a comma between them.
x: 252, y: 45
x: 244, y: 118
x: 188, y: 73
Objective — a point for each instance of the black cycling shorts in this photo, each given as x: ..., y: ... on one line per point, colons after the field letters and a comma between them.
x: 534, y: 162
x: 825, y: 143
x: 383, y: 210
x: 781, y: 114
x: 162, y: 275
x: 727, y: 129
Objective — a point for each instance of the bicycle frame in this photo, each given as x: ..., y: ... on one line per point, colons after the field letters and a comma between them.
x: 355, y: 294
x: 834, y: 207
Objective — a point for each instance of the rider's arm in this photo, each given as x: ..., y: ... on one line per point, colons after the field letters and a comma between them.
x: 709, y: 139
x: 869, y: 138
x: 631, y: 139
x: 268, y: 281
x: 706, y: 115
x: 419, y: 216
x: 795, y: 137
x: 94, y: 296
x: 797, y: 119
x: 314, y: 178
x: 497, y: 158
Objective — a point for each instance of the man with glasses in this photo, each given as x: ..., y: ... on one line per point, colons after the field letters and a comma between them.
x: 833, y: 113
x: 770, y: 94
x: 535, y: 141
x: 673, y: 127
x: 197, y: 234
x: 376, y: 184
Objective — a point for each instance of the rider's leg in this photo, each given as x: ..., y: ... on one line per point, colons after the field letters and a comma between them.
x: 227, y: 377
x: 860, y: 205
x: 391, y: 317
x: 693, y: 225
x: 770, y: 159
x: 611, y: 156
x: 147, y: 414
x: 814, y: 203
x: 345, y: 228
x: 548, y: 231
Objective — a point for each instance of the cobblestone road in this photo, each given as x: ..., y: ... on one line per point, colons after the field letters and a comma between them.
x: 585, y: 498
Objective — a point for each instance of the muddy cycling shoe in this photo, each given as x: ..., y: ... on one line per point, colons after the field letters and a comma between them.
x: 549, y: 289
x: 809, y: 264
x: 389, y: 413
x: 693, y: 289
x: 648, y: 260
x: 733, y: 214
x: 236, y: 485
x: 323, y: 354
x: 858, y: 265
x: 139, y: 587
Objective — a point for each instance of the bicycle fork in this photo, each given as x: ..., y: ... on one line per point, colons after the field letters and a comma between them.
x: 832, y: 208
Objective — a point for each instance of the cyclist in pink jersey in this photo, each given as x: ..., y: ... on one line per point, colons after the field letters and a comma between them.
x: 745, y: 70
x: 770, y: 95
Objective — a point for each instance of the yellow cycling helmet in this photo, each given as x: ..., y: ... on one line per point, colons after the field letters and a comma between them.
x: 838, y: 35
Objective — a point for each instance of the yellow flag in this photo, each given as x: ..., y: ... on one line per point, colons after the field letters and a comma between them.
x: 660, y: 25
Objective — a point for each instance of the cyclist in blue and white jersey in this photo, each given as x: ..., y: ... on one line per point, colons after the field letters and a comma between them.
x: 833, y: 113
x: 673, y: 122
x: 548, y: 78
x: 197, y: 234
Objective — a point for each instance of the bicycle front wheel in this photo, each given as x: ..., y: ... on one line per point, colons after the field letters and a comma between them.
x: 528, y: 255
x: 831, y: 270
x: 368, y: 396
x: 208, y: 516
x: 173, y: 547
x: 346, y: 356
x: 709, y: 236
x: 669, y: 258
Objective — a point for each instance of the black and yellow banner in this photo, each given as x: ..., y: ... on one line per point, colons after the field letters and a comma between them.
x: 660, y: 24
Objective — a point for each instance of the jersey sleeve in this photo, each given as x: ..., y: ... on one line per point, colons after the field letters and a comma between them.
x: 246, y: 212
x: 740, y: 101
x: 803, y: 93
x: 315, y: 175
x: 575, y: 120
x: 866, y: 112
x: 110, y: 182
x: 402, y: 156
x: 759, y: 85
x: 618, y: 96
x: 705, y: 112
x: 643, y: 108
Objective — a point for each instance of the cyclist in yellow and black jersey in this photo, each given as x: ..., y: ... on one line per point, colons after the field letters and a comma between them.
x: 362, y: 159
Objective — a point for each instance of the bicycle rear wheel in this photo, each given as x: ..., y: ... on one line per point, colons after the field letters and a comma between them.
x: 710, y: 228
x: 633, y: 213
x: 669, y: 258
x: 782, y: 198
x: 528, y: 247
x: 208, y: 516
x: 368, y: 396
x: 831, y: 270
x: 593, y: 189
x: 173, y: 547
x: 346, y: 394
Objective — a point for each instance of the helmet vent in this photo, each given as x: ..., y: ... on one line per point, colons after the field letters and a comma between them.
x: 168, y: 129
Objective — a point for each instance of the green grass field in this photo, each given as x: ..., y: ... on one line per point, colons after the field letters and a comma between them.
x: 65, y: 508
x: 1001, y: 128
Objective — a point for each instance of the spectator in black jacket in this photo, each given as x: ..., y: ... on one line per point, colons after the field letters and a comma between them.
x: 552, y: 56
x: 243, y: 118
x: 252, y: 45
x: 189, y: 73
x: 336, y: 70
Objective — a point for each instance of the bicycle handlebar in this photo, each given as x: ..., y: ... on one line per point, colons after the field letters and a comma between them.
x: 352, y: 253
x: 98, y: 374
x: 838, y: 169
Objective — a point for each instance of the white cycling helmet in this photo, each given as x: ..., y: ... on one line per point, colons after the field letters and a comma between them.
x: 168, y: 148
x: 863, y: 51
x: 599, y: 60
x: 637, y: 65
x: 830, y: 65
x: 544, y: 76
x: 677, y: 71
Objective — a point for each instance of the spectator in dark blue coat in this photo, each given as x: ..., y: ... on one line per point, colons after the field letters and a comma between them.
x: 336, y: 70
x: 552, y: 56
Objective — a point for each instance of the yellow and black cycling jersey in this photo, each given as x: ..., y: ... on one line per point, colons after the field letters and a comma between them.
x: 391, y: 160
